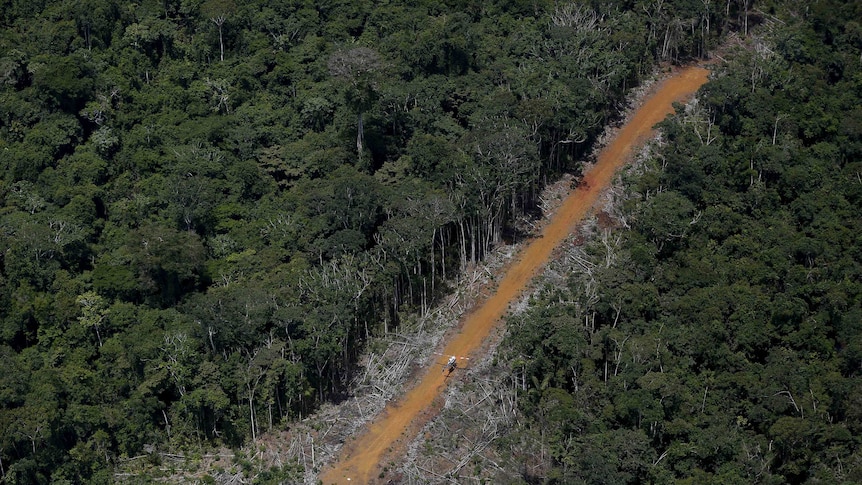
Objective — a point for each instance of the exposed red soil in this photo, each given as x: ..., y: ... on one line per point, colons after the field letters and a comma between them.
x: 364, y: 457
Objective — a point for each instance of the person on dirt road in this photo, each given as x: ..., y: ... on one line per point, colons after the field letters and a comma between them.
x: 451, y: 364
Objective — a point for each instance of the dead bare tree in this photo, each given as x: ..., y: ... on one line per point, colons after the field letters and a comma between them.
x: 218, y: 11
x: 577, y: 16
x: 696, y: 116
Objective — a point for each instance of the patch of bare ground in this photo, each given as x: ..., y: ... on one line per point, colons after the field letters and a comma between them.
x: 391, y: 362
x: 459, y: 444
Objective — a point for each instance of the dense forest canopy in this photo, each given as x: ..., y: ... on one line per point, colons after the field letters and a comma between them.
x: 208, y: 206
x: 714, y: 333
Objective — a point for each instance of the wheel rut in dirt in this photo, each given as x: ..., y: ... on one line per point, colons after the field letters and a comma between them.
x: 363, y: 457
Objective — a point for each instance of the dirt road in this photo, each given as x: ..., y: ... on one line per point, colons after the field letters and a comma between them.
x: 362, y: 457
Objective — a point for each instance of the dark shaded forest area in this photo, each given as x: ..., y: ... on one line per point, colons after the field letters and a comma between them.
x: 208, y: 206
x: 715, y: 334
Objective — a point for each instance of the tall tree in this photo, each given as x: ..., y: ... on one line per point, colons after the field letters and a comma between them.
x: 359, y: 69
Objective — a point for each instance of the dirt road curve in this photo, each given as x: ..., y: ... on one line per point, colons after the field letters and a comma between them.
x: 361, y: 457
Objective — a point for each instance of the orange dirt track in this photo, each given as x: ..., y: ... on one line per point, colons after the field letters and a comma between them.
x: 362, y: 458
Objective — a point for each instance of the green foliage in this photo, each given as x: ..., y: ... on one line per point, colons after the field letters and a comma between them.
x: 206, y: 207
x: 712, y: 342
x: 64, y: 81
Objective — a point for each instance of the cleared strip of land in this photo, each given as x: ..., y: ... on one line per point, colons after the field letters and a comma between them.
x: 363, y: 456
